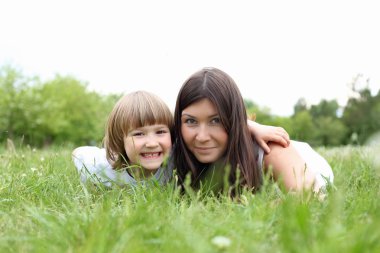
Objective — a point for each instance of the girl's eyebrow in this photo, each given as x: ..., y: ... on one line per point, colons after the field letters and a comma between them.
x: 133, y: 130
x: 131, y: 133
x: 156, y: 126
x: 161, y: 126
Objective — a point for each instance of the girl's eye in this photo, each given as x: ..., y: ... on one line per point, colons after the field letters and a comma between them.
x: 161, y: 132
x: 137, y: 134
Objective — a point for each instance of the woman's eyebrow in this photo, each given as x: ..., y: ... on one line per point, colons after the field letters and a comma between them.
x: 186, y: 114
x: 189, y: 115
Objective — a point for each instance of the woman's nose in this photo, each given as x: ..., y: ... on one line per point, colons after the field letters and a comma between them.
x: 203, y: 134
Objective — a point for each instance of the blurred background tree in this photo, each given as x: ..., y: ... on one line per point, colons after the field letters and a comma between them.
x: 362, y: 115
x: 62, y: 110
x: 58, y: 111
x: 12, y: 87
x: 327, y: 123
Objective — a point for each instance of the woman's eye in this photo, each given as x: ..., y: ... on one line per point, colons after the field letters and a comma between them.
x: 215, y: 121
x: 190, y: 121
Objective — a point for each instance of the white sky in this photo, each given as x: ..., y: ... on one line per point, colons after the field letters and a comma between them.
x: 277, y: 51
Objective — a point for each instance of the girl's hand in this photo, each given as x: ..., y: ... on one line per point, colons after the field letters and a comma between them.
x: 264, y: 134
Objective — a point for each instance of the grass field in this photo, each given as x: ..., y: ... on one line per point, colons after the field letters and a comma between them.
x: 45, y: 208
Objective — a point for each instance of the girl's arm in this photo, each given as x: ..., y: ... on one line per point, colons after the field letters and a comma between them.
x: 265, y: 134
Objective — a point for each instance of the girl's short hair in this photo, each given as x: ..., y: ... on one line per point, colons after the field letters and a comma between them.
x: 134, y: 110
x: 222, y: 91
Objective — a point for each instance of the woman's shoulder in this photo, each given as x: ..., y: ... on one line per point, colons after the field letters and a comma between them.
x: 315, y: 160
x: 298, y: 150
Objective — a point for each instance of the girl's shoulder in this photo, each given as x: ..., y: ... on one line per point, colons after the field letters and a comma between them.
x: 91, y: 157
x: 90, y: 154
x: 92, y: 165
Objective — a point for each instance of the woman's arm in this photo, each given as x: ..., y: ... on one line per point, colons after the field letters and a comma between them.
x: 265, y: 134
x: 289, y: 167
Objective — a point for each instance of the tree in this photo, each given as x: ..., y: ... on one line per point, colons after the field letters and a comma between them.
x: 329, y: 128
x: 325, y: 108
x: 329, y: 131
x: 12, y: 87
x: 256, y: 112
x: 69, y: 112
x: 303, y: 127
x: 300, y: 106
x: 361, y: 115
x: 61, y: 110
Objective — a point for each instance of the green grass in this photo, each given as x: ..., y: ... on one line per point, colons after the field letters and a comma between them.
x: 45, y: 208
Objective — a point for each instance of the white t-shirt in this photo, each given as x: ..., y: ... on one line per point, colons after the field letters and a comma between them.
x: 92, y: 165
x: 316, y: 163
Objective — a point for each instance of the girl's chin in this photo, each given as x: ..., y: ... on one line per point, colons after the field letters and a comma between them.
x: 151, y: 166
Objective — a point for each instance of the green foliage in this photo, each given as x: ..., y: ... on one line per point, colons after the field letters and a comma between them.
x: 318, y: 125
x: 254, y: 111
x: 361, y: 115
x: 303, y: 126
x: 300, y: 106
x: 330, y: 130
x: 325, y: 108
x: 71, y: 113
x: 45, y: 208
x: 61, y: 110
x: 264, y: 116
x: 12, y: 87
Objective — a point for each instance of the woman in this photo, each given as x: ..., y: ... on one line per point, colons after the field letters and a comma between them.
x: 212, y: 135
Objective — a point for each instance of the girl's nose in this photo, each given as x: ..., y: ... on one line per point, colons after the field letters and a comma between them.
x: 151, y: 142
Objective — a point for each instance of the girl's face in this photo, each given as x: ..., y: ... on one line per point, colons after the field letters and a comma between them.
x: 148, y: 146
x: 203, y: 132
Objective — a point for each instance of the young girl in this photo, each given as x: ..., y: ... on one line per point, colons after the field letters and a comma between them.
x: 212, y: 136
x: 138, y: 140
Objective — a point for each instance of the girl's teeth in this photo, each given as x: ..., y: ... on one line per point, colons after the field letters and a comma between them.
x: 151, y: 155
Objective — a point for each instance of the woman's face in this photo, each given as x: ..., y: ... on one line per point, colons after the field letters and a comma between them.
x: 203, y: 132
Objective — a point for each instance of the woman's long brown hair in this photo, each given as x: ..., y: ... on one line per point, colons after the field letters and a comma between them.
x: 222, y: 91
